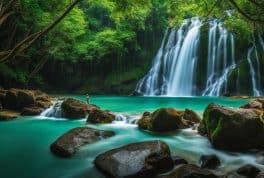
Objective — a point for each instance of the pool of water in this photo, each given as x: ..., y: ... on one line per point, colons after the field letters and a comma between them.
x: 25, y: 142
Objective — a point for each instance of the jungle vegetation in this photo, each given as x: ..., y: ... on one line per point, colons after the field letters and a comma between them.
x: 101, y: 46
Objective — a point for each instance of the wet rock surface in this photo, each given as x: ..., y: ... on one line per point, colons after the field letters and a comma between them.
x: 168, y: 119
x: 143, y: 159
x: 234, y: 128
x: 68, y: 143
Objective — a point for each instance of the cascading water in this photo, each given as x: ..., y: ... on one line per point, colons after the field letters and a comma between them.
x: 53, y: 111
x: 256, y: 90
x: 179, y: 54
x: 218, y: 68
x: 174, y: 69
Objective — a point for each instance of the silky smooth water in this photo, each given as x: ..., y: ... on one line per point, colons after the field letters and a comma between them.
x: 25, y: 142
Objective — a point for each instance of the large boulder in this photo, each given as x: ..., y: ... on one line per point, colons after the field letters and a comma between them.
x: 68, y: 143
x: 143, y: 159
x: 75, y: 109
x: 98, y: 116
x: 17, y: 99
x: 234, y: 128
x: 6, y: 115
x: 168, y: 119
x: 189, y: 171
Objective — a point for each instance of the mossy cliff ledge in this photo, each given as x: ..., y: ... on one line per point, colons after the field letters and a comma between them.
x: 234, y: 128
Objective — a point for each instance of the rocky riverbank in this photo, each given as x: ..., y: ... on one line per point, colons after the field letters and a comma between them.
x: 232, y: 129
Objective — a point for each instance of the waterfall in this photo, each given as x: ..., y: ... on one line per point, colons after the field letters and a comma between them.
x: 255, y: 87
x: 174, y: 69
x: 53, y: 111
x: 174, y: 66
x: 218, y: 68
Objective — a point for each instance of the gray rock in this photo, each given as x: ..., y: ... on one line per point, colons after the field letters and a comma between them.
x: 68, y: 143
x: 143, y: 159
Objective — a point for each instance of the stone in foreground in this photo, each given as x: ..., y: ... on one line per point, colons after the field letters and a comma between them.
x: 67, y: 144
x: 234, y: 128
x: 190, y: 171
x: 143, y: 159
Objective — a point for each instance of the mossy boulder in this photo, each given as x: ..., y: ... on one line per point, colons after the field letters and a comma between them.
x: 234, y: 128
x: 97, y: 116
x: 168, y: 119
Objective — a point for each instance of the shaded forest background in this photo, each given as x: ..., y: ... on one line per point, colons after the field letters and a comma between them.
x: 105, y: 46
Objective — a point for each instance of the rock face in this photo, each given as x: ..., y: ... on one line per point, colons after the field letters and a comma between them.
x: 17, y: 99
x: 248, y: 171
x: 67, y: 144
x: 31, y: 111
x: 6, y: 115
x: 234, y: 128
x: 75, y: 109
x: 30, y: 102
x: 168, y: 119
x: 190, y: 171
x: 97, y: 116
x: 209, y: 161
x: 143, y: 159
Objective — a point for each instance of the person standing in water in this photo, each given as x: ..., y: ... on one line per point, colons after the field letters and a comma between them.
x: 87, y: 99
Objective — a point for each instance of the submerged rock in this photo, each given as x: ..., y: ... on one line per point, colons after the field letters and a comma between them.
x: 98, y: 116
x: 248, y: 171
x: 68, y: 143
x: 6, y: 115
x: 75, y: 109
x: 190, y: 171
x: 234, y: 128
x: 209, y: 161
x: 168, y: 119
x: 143, y: 159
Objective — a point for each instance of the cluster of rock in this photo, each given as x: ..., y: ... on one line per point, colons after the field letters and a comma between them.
x: 15, y: 102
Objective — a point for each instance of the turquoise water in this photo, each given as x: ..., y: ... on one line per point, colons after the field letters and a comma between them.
x: 25, y: 153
